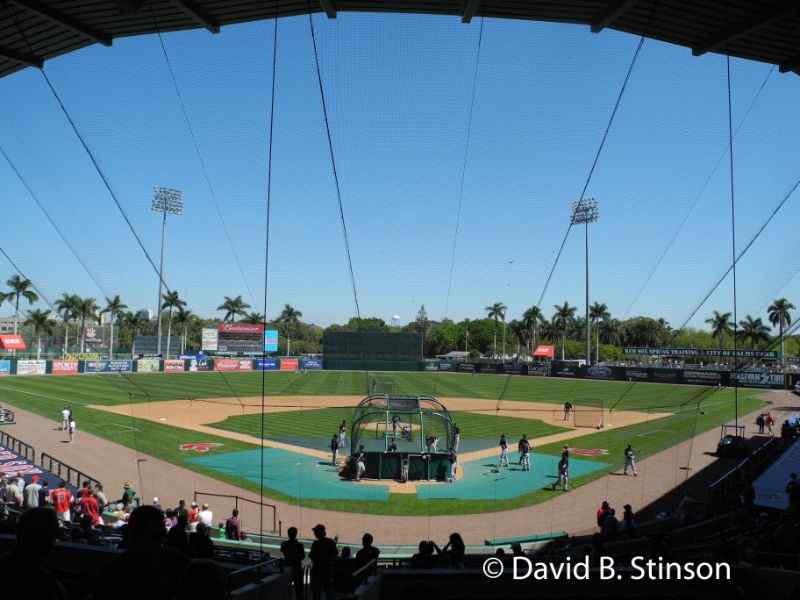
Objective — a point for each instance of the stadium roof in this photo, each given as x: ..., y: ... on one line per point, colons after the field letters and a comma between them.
x: 33, y: 31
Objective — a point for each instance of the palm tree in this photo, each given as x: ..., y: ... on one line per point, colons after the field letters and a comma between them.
x: 253, y: 318
x: 496, y: 311
x: 114, y: 307
x: 531, y: 318
x: 233, y: 308
x: 183, y: 318
x: 20, y: 288
x: 65, y: 306
x: 135, y: 321
x: 598, y: 312
x: 171, y: 301
x: 780, y: 316
x: 42, y: 323
x: 562, y: 318
x: 753, y: 330
x: 289, y: 317
x: 721, y: 325
x: 86, y: 310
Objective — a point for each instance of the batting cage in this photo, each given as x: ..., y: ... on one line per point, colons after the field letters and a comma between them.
x: 418, y: 430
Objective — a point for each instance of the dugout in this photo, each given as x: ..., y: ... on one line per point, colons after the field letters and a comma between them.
x: 372, y: 350
x: 409, y: 422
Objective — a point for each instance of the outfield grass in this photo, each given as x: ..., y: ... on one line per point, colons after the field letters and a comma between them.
x: 48, y: 395
x: 323, y: 423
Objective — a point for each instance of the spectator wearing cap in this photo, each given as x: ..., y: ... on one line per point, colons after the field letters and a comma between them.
x: 322, y: 554
x: 31, y: 493
x: 194, y: 516
x: 128, y: 497
x: 206, y: 517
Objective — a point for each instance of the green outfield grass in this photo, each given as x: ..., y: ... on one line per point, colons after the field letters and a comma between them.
x: 48, y: 395
x: 323, y: 423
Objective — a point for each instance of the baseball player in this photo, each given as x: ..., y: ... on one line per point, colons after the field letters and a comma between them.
x: 334, y: 449
x: 72, y: 427
x: 361, y: 463
x: 456, y: 437
x: 630, y: 460
x: 65, y: 414
x: 524, y: 448
x: 503, y: 451
x: 453, y: 465
x: 567, y: 409
x: 343, y: 434
x: 563, y: 475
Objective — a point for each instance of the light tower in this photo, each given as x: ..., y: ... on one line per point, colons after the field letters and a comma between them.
x: 586, y: 211
x: 165, y: 201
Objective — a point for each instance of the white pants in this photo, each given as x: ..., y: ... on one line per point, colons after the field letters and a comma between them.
x: 563, y: 481
x: 360, y: 468
x: 525, y: 461
x: 504, y: 457
x: 453, y: 468
x: 457, y: 441
x: 342, y: 440
x: 630, y: 463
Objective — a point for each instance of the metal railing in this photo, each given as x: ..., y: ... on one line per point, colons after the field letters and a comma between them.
x: 238, y: 499
x: 26, y: 451
x: 71, y: 475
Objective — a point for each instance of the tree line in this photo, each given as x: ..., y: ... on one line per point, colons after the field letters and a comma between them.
x: 487, y: 335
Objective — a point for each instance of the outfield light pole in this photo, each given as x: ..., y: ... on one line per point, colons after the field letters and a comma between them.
x: 586, y: 211
x: 165, y: 201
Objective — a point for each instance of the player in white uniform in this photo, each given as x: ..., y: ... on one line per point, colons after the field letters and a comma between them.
x: 503, y: 451
x: 65, y: 414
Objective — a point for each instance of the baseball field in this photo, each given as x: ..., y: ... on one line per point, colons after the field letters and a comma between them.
x: 292, y: 416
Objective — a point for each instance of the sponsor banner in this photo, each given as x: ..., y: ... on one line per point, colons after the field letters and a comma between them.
x: 240, y: 328
x: 5, y: 367
x: 93, y: 334
x: 147, y: 365
x: 564, y: 369
x: 312, y: 363
x: 271, y: 340
x: 245, y: 364
x: 466, y: 367
x: 700, y: 352
x: 431, y: 366
x: 201, y: 447
x: 108, y: 366
x: 540, y: 369
x: 209, y: 339
x: 666, y: 375
x: 12, y: 342
x: 447, y: 366
x: 588, y: 451
x: 84, y: 356
x: 174, y: 365
x: 31, y: 367
x: 758, y: 379
x: 65, y: 367
x: 703, y: 377
x: 201, y: 364
x: 267, y: 364
x: 545, y: 351
x: 226, y: 364
x: 599, y: 373
x: 290, y: 364
x: 636, y: 374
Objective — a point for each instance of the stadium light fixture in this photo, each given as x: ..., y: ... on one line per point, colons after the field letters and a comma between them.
x: 165, y: 201
x: 585, y: 211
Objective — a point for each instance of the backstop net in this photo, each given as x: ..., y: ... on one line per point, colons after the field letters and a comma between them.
x: 592, y: 417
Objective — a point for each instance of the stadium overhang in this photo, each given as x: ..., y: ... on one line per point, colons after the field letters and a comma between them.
x: 12, y: 342
x: 34, y: 31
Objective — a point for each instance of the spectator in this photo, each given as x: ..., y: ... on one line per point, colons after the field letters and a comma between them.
x: 62, y: 499
x: 455, y: 550
x: 169, y: 519
x: 13, y: 493
x: 323, y: 552
x: 601, y: 512
x: 84, y: 491
x: 206, y: 517
x: 178, y: 537
x: 91, y: 508
x: 181, y: 510
x: 102, y: 501
x: 32, y: 493
x: 367, y: 553
x: 37, y: 531
x: 233, y: 526
x: 628, y: 524
x: 610, y: 524
x: 425, y: 557
x: 44, y: 494
x: 194, y: 516
x: 200, y: 544
x: 346, y: 553
x: 516, y: 549
x: 20, y: 482
x: 128, y: 497
x: 293, y: 553
x: 147, y: 569
x: 157, y: 504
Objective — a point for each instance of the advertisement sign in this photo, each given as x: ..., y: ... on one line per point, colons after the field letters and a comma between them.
x: 700, y: 352
x: 545, y: 351
x: 599, y: 372
x: 564, y: 369
x: 758, y: 379
x: 226, y: 364
x: 93, y: 334
x: 108, y: 366
x: 240, y: 328
x: 290, y: 364
x: 466, y: 367
x: 312, y: 362
x: 431, y: 366
x: 702, y: 377
x: 245, y: 364
x: 5, y: 367
x: 31, y: 367
x: 201, y: 364
x: 65, y: 367
x: 12, y: 342
x: 267, y: 364
x: 271, y: 340
x: 147, y: 365
x: 174, y: 365
x: 447, y: 366
x: 209, y: 339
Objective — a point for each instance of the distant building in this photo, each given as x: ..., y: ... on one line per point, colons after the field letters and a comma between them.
x: 454, y: 355
x: 146, y: 313
x: 7, y: 324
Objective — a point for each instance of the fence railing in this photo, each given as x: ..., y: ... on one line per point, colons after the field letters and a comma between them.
x: 71, y: 475
x: 16, y: 445
x: 238, y: 501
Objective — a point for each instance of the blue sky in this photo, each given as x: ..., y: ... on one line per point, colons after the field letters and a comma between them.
x: 398, y: 88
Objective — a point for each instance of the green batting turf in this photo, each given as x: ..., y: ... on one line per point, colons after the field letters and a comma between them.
x: 48, y: 395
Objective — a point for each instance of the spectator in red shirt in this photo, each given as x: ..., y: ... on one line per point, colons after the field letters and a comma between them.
x: 91, y: 507
x: 62, y: 499
x: 84, y: 491
x: 194, y: 516
x: 604, y: 509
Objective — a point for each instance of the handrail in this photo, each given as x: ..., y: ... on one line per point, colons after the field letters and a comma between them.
x: 248, y: 500
x: 16, y: 445
x: 741, y: 464
x: 261, y: 565
x: 365, y: 568
x: 63, y: 471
